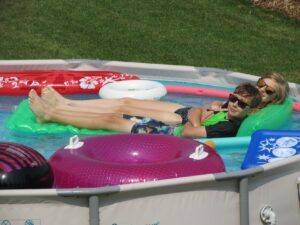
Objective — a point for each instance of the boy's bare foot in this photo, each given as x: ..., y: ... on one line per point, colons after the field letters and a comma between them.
x: 37, y: 106
x: 51, y: 96
x: 48, y: 96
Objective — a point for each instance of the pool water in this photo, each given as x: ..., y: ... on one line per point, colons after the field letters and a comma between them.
x: 48, y: 144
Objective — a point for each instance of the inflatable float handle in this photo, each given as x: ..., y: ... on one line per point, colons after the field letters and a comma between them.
x: 74, y: 143
x: 199, y: 153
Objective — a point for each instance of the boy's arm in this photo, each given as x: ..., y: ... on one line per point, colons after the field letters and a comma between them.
x: 198, y: 115
x: 191, y: 131
x: 194, y: 116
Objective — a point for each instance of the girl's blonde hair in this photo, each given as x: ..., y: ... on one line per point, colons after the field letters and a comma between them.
x: 283, y: 89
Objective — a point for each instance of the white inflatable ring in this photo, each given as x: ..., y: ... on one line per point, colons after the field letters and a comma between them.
x: 139, y: 89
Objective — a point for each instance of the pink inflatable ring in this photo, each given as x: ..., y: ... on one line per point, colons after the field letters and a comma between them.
x: 126, y: 158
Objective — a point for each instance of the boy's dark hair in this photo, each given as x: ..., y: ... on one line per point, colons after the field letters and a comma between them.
x: 248, y: 90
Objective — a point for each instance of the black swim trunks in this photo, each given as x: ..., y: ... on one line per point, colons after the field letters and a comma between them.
x: 183, y: 112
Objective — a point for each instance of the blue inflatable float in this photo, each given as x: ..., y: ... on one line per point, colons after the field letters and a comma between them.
x: 271, y: 145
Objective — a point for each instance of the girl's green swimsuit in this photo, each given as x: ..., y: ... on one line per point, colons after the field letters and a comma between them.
x: 216, y: 118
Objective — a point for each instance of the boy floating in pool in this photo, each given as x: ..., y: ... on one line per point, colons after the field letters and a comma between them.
x: 147, y: 116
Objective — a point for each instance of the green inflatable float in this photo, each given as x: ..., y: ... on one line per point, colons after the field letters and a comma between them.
x: 271, y: 117
x: 24, y: 120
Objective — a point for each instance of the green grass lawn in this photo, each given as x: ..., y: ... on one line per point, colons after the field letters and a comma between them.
x: 227, y: 34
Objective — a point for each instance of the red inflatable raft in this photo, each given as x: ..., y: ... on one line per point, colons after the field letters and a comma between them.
x: 64, y: 81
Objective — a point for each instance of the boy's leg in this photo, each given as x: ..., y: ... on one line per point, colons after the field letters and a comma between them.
x: 50, y: 93
x: 110, y: 121
x: 163, y: 116
x: 129, y: 109
x: 166, y: 117
x: 107, y: 121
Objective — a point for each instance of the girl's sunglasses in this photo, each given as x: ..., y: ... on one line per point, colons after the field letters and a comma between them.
x: 261, y: 83
x: 232, y: 98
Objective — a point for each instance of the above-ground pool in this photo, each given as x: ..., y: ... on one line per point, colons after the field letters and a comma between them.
x: 239, y: 197
x: 47, y: 144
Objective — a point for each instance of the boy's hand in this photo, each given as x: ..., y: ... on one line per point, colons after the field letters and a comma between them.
x: 194, y: 116
x: 206, y: 114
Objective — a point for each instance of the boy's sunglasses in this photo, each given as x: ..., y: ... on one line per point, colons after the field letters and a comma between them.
x: 232, y: 98
x: 261, y: 83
